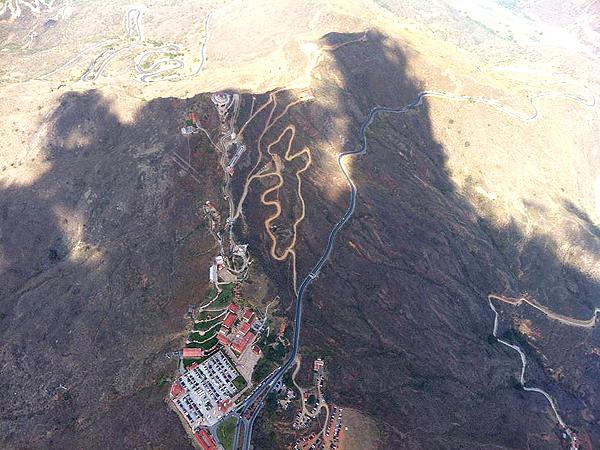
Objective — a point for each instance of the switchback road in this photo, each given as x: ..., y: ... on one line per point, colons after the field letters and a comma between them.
x: 266, y: 385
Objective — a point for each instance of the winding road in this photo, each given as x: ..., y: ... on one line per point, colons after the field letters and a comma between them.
x: 583, y: 323
x: 523, y: 365
x: 266, y: 385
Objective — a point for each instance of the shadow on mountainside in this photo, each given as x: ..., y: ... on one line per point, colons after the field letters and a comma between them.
x: 102, y: 253
x: 100, y: 257
x: 400, y: 311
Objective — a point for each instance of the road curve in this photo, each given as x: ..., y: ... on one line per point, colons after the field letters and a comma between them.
x: 265, y: 387
x: 523, y: 365
x: 583, y: 323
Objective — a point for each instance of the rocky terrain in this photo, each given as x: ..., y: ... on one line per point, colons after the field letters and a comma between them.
x: 102, y: 243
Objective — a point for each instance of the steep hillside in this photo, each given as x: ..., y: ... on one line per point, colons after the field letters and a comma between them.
x: 401, y: 309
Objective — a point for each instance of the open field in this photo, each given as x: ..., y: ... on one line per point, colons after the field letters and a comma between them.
x: 361, y: 432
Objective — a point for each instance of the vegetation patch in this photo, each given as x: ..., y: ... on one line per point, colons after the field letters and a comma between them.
x: 188, y: 362
x: 162, y: 380
x: 239, y: 383
x: 203, y: 326
x: 273, y: 357
x: 208, y: 344
x: 224, y: 297
x: 226, y: 432
x: 202, y: 337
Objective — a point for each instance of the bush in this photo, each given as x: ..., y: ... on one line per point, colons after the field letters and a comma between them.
x: 239, y: 383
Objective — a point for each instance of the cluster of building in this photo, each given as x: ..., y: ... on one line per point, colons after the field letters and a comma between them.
x: 218, y: 272
x: 305, y: 416
x: 301, y: 421
x: 203, y: 393
x: 286, y: 393
x: 191, y: 125
x: 570, y: 437
x: 236, y: 330
x: 330, y: 440
x: 318, y: 366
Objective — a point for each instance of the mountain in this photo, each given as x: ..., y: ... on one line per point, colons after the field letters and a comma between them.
x: 478, y: 187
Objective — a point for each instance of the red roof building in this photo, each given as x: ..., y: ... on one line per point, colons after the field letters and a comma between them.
x: 318, y: 365
x: 192, y: 353
x: 223, y: 339
x: 245, y: 328
x: 233, y: 308
x: 229, y: 320
x: 241, y: 345
x: 176, y: 390
x: 205, y: 440
x: 248, y: 315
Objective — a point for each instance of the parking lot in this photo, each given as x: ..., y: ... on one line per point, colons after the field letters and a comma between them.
x: 331, y: 439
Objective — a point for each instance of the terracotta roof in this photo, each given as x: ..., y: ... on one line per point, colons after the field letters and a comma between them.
x: 205, y: 440
x: 193, y: 353
x: 176, y: 390
x: 229, y: 319
x: 248, y: 314
x: 223, y: 339
x: 241, y: 345
x: 233, y: 308
x: 245, y: 327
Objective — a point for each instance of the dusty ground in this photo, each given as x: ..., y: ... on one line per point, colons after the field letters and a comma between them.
x: 361, y: 433
x: 102, y: 247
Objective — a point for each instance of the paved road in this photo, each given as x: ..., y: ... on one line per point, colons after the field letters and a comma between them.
x: 265, y: 387
x: 269, y: 382
x: 153, y: 73
x: 583, y: 323
x: 93, y: 73
x: 523, y: 366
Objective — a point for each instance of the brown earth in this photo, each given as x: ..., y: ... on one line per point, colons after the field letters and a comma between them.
x: 400, y: 312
